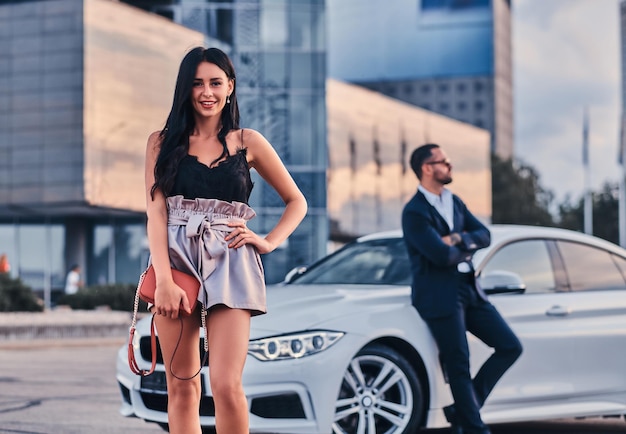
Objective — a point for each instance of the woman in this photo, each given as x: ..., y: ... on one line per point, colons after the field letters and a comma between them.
x: 197, y: 187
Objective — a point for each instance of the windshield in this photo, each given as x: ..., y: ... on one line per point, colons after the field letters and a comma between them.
x: 374, y: 262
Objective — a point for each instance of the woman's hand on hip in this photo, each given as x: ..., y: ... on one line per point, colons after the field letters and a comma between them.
x: 242, y: 235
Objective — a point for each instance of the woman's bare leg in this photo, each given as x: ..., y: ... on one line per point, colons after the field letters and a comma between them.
x: 183, y: 407
x: 229, y: 332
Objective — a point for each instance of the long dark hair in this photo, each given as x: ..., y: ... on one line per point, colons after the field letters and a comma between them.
x: 181, y: 123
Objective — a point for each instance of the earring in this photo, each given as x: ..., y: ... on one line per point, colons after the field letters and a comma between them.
x: 228, y: 99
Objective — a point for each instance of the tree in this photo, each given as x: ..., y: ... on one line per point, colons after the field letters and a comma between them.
x: 605, y: 213
x: 517, y: 196
x: 15, y: 296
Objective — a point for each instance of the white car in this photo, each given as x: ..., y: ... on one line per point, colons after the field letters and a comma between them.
x: 343, y: 351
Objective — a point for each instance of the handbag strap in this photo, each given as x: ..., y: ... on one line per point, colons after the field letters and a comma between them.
x: 206, y: 348
x: 132, y: 361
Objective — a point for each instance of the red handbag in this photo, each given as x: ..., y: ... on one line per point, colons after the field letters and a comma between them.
x: 147, y: 286
x: 145, y: 291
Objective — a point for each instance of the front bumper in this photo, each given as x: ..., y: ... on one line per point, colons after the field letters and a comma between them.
x: 294, y: 396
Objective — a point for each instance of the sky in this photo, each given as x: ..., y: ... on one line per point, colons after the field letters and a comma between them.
x: 567, y: 57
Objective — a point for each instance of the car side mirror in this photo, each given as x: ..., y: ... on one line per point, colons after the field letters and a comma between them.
x: 293, y: 273
x: 501, y: 282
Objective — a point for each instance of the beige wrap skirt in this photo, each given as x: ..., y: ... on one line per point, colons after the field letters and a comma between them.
x: 232, y: 277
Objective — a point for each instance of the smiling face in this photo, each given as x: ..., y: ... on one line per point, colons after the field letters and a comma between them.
x: 211, y: 88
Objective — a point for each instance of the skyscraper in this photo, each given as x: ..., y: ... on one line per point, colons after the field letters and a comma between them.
x: 451, y: 57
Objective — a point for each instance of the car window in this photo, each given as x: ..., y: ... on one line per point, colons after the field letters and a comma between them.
x: 621, y: 264
x: 590, y: 268
x: 383, y: 262
x: 528, y: 259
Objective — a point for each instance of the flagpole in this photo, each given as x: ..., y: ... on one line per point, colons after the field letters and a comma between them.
x: 588, y: 206
x: 403, y: 146
x: 622, y: 182
x: 378, y: 164
x: 353, y: 168
x: 622, y: 208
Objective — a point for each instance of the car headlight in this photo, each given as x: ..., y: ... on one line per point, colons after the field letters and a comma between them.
x: 293, y: 346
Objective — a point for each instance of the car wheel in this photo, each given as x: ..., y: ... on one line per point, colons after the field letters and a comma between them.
x: 380, y: 394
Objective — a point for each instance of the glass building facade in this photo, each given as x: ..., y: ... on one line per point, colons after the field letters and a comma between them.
x: 452, y: 57
x: 278, y: 48
x: 82, y: 85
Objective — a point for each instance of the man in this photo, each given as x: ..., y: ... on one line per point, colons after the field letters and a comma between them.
x: 72, y: 281
x: 441, y: 235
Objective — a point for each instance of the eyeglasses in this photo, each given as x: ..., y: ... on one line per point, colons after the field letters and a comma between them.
x: 446, y: 162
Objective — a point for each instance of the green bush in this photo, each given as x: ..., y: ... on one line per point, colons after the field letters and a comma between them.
x: 117, y: 297
x: 15, y: 296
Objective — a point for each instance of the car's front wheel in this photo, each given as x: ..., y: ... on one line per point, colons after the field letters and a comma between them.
x: 380, y: 393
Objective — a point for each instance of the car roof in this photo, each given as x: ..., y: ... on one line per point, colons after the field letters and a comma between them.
x: 507, y: 233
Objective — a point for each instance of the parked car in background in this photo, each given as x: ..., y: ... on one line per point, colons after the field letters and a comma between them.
x: 342, y: 350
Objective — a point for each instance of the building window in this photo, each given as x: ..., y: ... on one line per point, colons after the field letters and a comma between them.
x: 461, y: 106
x: 478, y: 86
x: 479, y: 123
x: 119, y: 252
x: 425, y: 88
x: 443, y: 106
x: 461, y: 88
x: 408, y: 89
x: 443, y: 87
x: 479, y: 106
x: 453, y: 4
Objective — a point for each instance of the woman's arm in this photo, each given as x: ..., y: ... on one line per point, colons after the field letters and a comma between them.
x: 263, y: 158
x: 168, y: 296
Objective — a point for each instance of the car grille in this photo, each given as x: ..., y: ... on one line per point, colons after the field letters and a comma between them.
x: 287, y: 406
x: 158, y: 402
x: 145, y: 349
x: 271, y: 407
x: 154, y: 383
x: 153, y: 391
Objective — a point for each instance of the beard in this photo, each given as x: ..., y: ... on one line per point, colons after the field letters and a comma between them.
x: 444, y: 179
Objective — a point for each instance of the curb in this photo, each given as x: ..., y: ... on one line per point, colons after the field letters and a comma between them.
x: 57, y: 343
x: 17, y: 327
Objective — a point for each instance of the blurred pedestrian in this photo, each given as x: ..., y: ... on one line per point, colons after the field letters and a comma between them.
x: 197, y: 186
x: 441, y: 236
x: 73, y: 281
x: 4, y: 264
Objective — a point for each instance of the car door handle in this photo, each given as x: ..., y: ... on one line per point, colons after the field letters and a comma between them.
x: 558, y: 311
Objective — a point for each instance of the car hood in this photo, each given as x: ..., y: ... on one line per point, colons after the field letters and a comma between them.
x: 303, y: 307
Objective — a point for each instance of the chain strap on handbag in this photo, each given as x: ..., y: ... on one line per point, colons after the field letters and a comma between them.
x: 132, y: 361
x: 145, y: 291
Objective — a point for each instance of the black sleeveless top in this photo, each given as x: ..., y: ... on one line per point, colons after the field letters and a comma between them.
x: 229, y: 180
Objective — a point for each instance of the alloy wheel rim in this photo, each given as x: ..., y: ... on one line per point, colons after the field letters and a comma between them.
x: 375, y: 398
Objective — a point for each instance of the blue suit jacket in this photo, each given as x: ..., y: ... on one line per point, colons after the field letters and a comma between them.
x: 434, y: 263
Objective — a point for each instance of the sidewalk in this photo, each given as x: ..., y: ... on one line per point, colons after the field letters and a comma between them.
x: 17, y: 327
